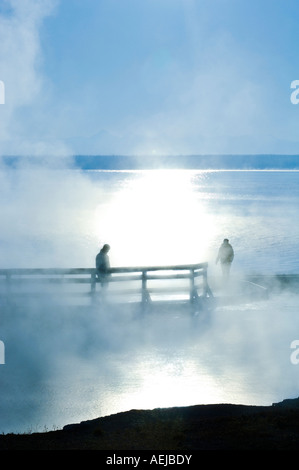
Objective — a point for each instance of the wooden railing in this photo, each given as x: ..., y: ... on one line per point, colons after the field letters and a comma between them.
x: 13, y: 279
x: 164, y: 274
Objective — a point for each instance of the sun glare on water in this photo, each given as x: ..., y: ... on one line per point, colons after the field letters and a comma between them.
x: 155, y: 218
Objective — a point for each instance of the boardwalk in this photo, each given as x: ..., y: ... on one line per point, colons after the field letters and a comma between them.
x: 145, y: 284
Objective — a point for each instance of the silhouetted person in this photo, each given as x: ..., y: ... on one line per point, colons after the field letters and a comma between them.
x: 225, y: 256
x: 103, y: 265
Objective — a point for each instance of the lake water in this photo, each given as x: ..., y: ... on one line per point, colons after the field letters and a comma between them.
x: 65, y: 365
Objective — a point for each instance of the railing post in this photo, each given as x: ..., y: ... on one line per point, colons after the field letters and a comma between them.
x: 145, y: 298
x: 8, y: 276
x: 192, y: 285
x: 93, y: 282
x: 143, y: 287
x: 206, y: 288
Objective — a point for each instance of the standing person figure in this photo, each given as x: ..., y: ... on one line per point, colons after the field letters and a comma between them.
x: 103, y: 265
x: 225, y: 256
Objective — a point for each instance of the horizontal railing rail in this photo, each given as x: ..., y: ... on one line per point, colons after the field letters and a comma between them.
x: 141, y: 274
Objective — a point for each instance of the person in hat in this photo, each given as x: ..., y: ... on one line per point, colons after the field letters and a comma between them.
x: 103, y: 265
x: 225, y: 256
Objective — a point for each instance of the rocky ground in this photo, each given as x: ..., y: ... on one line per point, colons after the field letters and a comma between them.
x: 202, y: 427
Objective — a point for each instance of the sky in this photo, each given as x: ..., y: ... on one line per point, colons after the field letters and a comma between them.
x: 150, y: 77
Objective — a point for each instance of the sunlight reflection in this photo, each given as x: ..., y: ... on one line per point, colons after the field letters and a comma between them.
x: 178, y: 384
x: 157, y: 217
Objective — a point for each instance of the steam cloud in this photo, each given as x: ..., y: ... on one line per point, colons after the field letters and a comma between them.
x: 61, y: 362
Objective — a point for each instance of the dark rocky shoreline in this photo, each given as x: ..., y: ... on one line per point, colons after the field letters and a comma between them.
x: 193, y: 428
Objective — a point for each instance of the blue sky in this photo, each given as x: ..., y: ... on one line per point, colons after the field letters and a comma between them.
x: 152, y: 77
